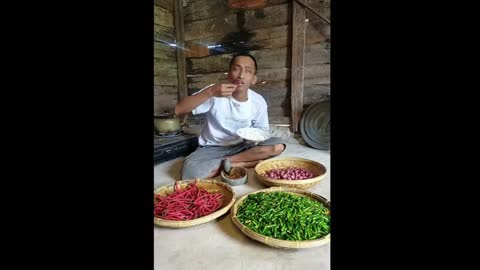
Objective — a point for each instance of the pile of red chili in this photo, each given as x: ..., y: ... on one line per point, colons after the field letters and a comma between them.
x: 186, y: 204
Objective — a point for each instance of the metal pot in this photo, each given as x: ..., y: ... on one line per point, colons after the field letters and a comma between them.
x: 167, y: 123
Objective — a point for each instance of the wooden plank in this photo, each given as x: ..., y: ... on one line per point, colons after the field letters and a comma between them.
x: 271, y: 37
x: 315, y: 90
x: 275, y: 86
x: 273, y: 74
x: 313, y: 10
x: 219, y: 25
x: 210, y: 64
x: 316, y: 93
x: 317, y: 29
x: 272, y: 58
x: 182, y: 66
x: 277, y: 101
x: 268, y: 58
x: 163, y: 17
x: 317, y: 32
x: 321, y: 6
x: 285, y: 120
x: 164, y: 51
x: 199, y: 50
x: 274, y: 93
x: 165, y: 76
x: 251, y: 19
x: 204, y: 9
x: 257, y: 35
x: 318, y: 53
x: 267, y: 17
x: 166, y: 4
x: 165, y: 63
x: 163, y: 34
x: 159, y: 90
x: 276, y: 2
x: 164, y: 102
x: 298, y: 50
x: 165, y: 81
x: 316, y: 71
x: 318, y: 80
x: 206, y: 79
x: 246, y: 20
x: 272, y: 32
x: 279, y: 111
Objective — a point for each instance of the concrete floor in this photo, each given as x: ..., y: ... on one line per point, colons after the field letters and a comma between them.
x: 219, y: 244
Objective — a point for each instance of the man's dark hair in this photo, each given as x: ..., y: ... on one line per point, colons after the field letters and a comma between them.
x: 243, y: 54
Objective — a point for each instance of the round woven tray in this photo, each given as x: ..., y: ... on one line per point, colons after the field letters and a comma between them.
x: 282, y: 163
x: 211, y: 185
x: 278, y: 243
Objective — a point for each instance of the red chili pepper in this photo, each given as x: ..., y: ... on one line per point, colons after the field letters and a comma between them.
x: 187, y: 204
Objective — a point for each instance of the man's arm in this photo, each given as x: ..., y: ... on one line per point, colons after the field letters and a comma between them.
x: 189, y: 103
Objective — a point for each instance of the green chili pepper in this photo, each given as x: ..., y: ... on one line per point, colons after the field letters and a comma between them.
x: 285, y: 216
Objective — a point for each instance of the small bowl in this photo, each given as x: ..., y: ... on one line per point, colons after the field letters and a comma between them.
x: 237, y: 176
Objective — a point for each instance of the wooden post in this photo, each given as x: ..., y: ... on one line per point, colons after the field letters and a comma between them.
x: 181, y: 63
x: 325, y: 19
x: 298, y: 50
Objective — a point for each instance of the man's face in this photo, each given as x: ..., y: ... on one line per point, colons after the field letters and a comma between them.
x: 242, y: 72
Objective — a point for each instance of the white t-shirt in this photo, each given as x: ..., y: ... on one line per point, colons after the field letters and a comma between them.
x: 225, y: 115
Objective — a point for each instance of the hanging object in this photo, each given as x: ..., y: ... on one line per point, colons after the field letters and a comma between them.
x: 247, y: 4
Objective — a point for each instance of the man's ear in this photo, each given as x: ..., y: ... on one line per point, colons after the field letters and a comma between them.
x: 254, y: 80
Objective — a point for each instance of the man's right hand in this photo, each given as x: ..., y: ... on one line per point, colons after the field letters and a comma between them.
x: 223, y: 90
x: 188, y: 103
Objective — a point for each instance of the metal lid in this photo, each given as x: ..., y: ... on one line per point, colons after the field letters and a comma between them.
x: 315, y: 125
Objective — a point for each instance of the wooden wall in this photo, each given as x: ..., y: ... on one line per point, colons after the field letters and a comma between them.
x: 317, y: 68
x: 266, y: 34
x: 165, y: 57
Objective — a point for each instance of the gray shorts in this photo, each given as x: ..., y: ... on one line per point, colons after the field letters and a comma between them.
x: 205, y: 159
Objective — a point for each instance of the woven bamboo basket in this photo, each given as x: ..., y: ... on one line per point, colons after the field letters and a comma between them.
x: 210, y: 185
x: 278, y: 243
x: 318, y: 170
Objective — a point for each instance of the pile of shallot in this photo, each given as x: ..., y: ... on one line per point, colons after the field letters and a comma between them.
x: 292, y: 173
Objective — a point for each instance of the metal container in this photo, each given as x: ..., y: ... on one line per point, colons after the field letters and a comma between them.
x: 167, y: 123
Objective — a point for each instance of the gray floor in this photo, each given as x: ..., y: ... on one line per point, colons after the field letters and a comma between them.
x: 220, y: 245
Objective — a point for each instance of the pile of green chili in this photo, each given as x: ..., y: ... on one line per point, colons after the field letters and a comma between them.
x: 284, y: 216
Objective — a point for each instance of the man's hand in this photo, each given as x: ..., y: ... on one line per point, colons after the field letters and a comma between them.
x: 222, y: 90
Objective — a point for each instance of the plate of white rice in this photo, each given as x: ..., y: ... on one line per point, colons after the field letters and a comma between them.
x: 254, y: 135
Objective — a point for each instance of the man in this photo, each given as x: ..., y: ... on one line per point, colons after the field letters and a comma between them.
x: 228, y: 107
